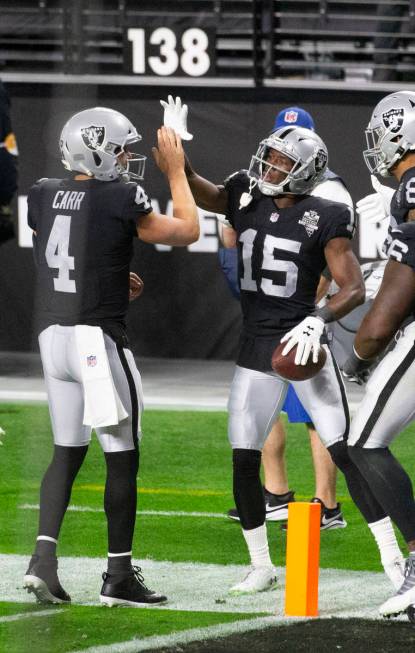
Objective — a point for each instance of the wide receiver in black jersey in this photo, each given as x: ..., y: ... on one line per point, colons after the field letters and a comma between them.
x: 285, y: 238
x: 84, y: 227
x: 389, y: 402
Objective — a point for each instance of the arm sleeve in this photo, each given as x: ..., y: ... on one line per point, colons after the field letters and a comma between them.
x: 136, y: 205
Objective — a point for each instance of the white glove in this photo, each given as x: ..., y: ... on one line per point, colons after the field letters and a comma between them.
x: 306, y: 336
x: 175, y: 116
x: 376, y: 206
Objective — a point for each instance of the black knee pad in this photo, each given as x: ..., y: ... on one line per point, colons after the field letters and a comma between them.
x: 339, y: 453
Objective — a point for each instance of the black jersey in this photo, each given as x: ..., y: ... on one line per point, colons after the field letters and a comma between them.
x: 280, y: 260
x: 403, y: 200
x: 83, y: 247
x: 402, y: 246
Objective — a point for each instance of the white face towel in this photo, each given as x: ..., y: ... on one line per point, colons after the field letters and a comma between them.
x: 103, y: 407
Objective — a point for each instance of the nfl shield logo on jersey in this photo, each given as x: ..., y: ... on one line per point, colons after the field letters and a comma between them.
x: 274, y: 216
x: 393, y: 119
x: 91, y: 361
x: 310, y: 221
x: 93, y: 136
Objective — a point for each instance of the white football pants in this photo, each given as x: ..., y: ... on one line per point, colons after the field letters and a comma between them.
x: 256, y: 399
x: 388, y: 405
x: 63, y: 379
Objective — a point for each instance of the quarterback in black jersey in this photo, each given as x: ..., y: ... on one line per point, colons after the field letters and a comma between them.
x: 83, y: 232
x: 389, y: 402
x: 285, y: 238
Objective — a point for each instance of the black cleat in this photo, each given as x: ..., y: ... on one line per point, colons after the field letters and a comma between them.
x: 42, y: 579
x: 128, y: 590
x: 276, y: 506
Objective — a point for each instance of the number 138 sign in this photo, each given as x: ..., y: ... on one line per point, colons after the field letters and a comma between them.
x: 164, y: 51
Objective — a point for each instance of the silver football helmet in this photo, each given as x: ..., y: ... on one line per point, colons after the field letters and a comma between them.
x: 390, y: 133
x: 308, y: 153
x: 92, y: 140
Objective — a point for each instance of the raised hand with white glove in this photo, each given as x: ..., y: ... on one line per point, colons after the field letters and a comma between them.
x: 306, y: 336
x: 175, y: 116
x: 376, y: 206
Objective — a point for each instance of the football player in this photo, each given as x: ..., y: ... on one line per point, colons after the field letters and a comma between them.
x: 276, y: 490
x: 83, y: 232
x: 388, y: 404
x: 285, y: 238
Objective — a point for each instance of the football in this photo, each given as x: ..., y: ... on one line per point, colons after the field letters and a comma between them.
x: 286, y: 367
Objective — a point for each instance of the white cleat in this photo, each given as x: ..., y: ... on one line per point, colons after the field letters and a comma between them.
x: 258, y: 579
x: 395, y: 571
x: 405, y: 595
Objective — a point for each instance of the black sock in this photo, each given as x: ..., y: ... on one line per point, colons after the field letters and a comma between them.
x: 45, y: 548
x: 55, y: 491
x: 120, y: 499
x: 247, y: 488
x: 391, y: 484
x: 119, y: 565
x: 357, y: 485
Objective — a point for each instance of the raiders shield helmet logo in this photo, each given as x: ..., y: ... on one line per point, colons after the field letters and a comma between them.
x: 321, y: 160
x: 393, y: 119
x: 93, y: 137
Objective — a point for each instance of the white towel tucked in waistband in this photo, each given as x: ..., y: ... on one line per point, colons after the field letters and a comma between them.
x: 103, y: 407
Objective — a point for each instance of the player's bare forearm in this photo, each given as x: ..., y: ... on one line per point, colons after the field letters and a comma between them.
x: 207, y: 195
x: 393, y: 304
x: 345, y: 270
x: 184, y: 206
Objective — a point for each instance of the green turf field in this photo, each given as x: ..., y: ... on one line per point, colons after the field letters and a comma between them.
x: 185, y: 468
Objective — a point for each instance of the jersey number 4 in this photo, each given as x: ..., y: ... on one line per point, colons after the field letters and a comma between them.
x: 271, y: 243
x: 57, y: 254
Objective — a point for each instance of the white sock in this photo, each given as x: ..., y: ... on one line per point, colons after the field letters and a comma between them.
x: 385, y: 537
x: 257, y: 543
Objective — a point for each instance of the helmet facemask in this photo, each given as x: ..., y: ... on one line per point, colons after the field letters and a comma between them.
x: 260, y: 168
x: 384, y: 150
x: 307, y: 152
x: 390, y: 134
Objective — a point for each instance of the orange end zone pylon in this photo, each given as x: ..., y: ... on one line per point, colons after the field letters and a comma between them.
x: 303, y: 555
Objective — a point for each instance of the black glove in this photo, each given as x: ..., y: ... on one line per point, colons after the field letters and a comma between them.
x: 357, y: 370
x: 6, y: 223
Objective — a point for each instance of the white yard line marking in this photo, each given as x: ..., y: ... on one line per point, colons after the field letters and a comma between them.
x: 185, y: 636
x: 161, y: 513
x: 29, y: 615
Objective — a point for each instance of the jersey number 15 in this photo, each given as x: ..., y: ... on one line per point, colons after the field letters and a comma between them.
x: 271, y: 243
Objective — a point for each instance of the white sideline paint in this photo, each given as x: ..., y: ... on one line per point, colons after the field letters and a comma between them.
x: 27, y: 615
x: 186, y: 636
x: 161, y: 513
x: 197, y: 587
